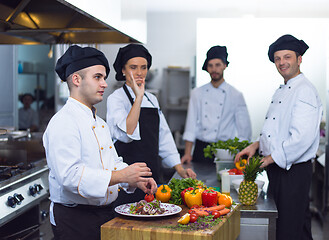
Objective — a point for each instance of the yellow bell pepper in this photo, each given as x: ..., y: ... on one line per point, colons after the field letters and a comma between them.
x: 193, y: 197
x: 240, y: 165
x: 163, y: 193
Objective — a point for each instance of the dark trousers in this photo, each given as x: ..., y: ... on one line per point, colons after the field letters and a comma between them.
x: 198, y: 155
x: 82, y: 222
x: 290, y: 190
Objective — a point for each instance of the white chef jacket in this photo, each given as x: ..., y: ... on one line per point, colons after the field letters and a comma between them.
x: 81, y: 157
x: 118, y: 108
x: 217, y: 114
x: 27, y: 118
x: 291, y: 131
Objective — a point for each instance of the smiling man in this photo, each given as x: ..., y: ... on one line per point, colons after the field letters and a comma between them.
x: 289, y: 140
x: 85, y: 171
x: 217, y: 111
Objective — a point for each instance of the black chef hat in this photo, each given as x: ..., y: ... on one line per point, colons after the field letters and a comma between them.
x: 77, y: 58
x: 126, y: 53
x: 22, y: 96
x: 216, y: 52
x: 287, y: 42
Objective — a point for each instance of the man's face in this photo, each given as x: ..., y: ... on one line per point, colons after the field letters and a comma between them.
x: 136, y: 67
x: 216, y: 68
x: 27, y: 101
x: 287, y: 63
x: 93, y: 84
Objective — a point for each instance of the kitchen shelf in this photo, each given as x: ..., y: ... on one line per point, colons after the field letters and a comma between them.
x: 176, y: 107
x: 176, y: 95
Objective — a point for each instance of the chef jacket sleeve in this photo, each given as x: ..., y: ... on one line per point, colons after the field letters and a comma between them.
x: 192, y: 118
x: 116, y: 116
x: 35, y: 120
x: 242, y: 119
x: 64, y: 155
x: 303, y: 129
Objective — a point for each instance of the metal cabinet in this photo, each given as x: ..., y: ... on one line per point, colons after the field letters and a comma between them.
x: 178, y: 85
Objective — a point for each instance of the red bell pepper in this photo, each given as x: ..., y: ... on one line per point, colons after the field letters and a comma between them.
x: 183, y: 193
x: 209, y: 198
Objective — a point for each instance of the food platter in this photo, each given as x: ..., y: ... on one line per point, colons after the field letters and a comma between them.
x: 170, y: 209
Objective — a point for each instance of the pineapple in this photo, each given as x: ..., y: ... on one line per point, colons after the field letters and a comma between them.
x: 248, y: 190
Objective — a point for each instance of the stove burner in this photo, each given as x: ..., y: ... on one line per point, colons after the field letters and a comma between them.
x: 7, y: 172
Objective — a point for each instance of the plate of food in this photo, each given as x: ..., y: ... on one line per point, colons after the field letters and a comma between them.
x: 148, y: 209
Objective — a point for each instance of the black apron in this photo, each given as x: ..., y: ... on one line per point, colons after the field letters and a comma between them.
x: 144, y: 150
x: 198, y: 154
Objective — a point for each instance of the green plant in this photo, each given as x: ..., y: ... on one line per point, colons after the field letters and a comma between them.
x: 232, y: 145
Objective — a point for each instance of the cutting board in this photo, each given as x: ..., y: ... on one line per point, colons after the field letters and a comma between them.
x: 133, y: 228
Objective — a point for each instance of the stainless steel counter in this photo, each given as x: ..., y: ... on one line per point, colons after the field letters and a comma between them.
x: 257, y: 222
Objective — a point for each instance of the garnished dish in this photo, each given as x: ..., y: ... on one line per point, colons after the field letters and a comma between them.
x: 143, y: 208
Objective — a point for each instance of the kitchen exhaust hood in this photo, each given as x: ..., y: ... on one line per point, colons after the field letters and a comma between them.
x: 53, y: 22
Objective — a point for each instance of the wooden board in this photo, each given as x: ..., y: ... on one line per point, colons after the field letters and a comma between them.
x: 131, y: 228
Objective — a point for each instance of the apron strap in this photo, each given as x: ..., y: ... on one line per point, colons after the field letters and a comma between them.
x: 128, y: 94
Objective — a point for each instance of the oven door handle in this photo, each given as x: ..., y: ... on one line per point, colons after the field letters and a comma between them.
x: 28, y: 231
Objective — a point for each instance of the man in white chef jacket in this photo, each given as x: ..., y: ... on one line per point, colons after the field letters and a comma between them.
x: 85, y: 170
x: 289, y: 140
x: 217, y: 111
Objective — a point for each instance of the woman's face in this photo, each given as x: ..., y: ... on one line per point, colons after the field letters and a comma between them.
x: 135, y: 68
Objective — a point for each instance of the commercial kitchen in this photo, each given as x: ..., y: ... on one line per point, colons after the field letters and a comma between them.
x: 35, y: 33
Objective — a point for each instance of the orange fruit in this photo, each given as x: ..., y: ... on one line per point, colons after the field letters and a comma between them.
x: 223, y: 199
x: 185, y: 219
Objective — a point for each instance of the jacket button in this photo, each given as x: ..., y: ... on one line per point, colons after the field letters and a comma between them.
x: 102, y: 148
x: 274, y: 118
x: 110, y: 147
x: 269, y: 135
x: 266, y: 117
x: 206, y: 102
x: 102, y: 126
x: 279, y: 101
x: 115, y: 168
x: 93, y: 127
x: 271, y: 101
x: 111, y: 192
x: 260, y: 134
x: 205, y: 116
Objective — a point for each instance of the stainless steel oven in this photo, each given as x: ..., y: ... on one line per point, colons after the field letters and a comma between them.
x: 24, y: 191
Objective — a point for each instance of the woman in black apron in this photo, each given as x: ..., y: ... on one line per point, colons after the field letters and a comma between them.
x: 136, y: 122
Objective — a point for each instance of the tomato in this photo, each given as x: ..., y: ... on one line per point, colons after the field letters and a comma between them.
x: 215, y: 214
x: 193, y: 217
x: 239, y: 172
x: 195, y: 206
x: 149, y: 197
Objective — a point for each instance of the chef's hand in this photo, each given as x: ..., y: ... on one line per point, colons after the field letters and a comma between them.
x: 185, y: 173
x: 187, y: 158
x: 132, y: 174
x: 138, y: 88
x: 266, y: 161
x: 249, y: 151
x: 149, y: 187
